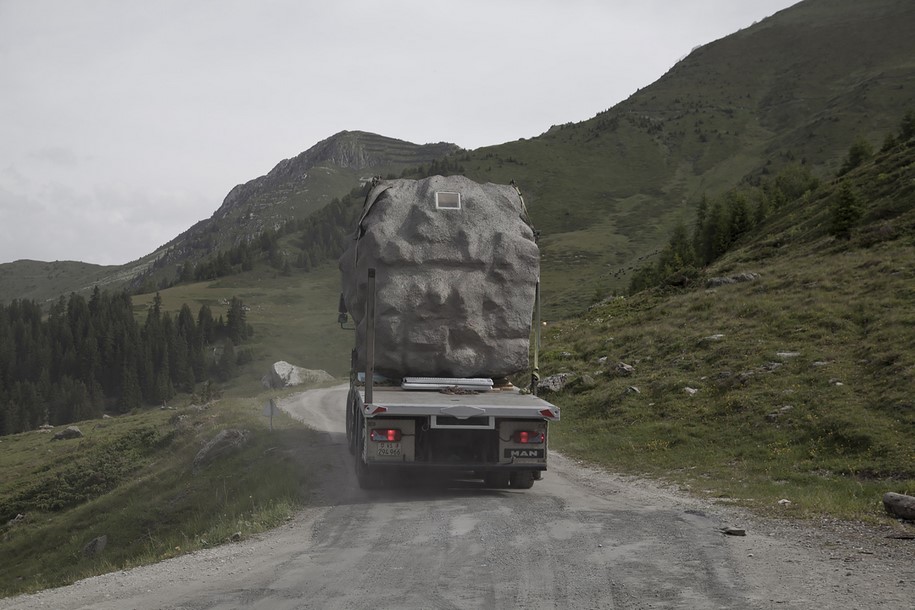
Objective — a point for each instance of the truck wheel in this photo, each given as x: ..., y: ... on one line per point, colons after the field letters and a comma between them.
x: 366, y: 478
x: 496, y: 480
x: 350, y: 437
x: 523, y: 479
x: 364, y: 475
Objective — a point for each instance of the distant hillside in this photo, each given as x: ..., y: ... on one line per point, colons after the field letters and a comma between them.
x: 784, y: 371
x: 292, y: 190
x: 41, y: 282
x: 797, y: 87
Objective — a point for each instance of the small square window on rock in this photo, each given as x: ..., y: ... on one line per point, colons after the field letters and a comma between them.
x: 445, y: 200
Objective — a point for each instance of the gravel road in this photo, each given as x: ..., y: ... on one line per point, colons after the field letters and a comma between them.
x: 581, y: 538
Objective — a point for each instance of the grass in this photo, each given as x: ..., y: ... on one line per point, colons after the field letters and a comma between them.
x: 131, y: 478
x: 799, y: 382
x: 294, y: 318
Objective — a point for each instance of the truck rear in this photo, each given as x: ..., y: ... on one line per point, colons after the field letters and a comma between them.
x: 456, y: 428
x: 442, y: 282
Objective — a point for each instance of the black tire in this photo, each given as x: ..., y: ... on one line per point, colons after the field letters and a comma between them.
x: 497, y: 480
x: 523, y: 479
x: 365, y: 476
x: 350, y: 416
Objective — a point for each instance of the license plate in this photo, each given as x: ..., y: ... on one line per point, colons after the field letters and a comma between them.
x: 389, y: 450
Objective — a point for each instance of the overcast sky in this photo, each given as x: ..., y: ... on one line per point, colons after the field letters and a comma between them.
x: 123, y: 122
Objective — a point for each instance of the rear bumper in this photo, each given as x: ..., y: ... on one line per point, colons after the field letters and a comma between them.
x: 455, y: 468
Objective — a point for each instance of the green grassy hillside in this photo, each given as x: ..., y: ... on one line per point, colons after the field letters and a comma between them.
x: 131, y: 477
x: 133, y: 480
x: 797, y: 87
x: 294, y: 318
x: 42, y: 282
x: 796, y: 385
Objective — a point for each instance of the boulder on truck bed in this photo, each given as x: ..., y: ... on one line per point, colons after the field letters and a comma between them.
x: 457, y: 267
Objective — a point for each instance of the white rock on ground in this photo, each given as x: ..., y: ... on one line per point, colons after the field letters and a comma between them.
x: 284, y: 375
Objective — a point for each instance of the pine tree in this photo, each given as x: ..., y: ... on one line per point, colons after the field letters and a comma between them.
x: 206, y: 325
x: 236, y: 326
x: 846, y: 210
x: 227, y: 364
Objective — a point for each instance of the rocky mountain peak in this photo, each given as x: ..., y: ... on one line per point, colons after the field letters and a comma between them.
x: 355, y: 150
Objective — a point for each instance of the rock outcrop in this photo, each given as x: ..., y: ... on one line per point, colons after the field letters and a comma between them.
x: 68, y: 433
x: 224, y: 443
x: 284, y: 375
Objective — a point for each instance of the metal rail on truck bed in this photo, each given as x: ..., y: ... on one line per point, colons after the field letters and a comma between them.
x: 512, y: 403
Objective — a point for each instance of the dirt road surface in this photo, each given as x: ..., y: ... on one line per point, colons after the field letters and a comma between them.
x: 581, y: 538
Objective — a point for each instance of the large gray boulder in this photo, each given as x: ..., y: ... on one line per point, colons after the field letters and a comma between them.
x: 223, y: 444
x: 67, y: 434
x: 285, y: 375
x: 455, y: 282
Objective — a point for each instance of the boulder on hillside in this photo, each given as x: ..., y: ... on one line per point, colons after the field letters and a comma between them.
x: 284, y: 375
x: 555, y: 383
x: 224, y: 443
x: 68, y: 433
x: 624, y: 370
x: 95, y: 546
x: 714, y: 282
x: 899, y: 505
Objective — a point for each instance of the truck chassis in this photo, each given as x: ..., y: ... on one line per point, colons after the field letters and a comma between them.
x: 499, y: 436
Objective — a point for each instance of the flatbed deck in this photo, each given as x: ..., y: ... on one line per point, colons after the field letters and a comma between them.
x: 496, y: 403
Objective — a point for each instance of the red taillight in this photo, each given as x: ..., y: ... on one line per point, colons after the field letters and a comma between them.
x: 385, y: 435
x: 527, y: 437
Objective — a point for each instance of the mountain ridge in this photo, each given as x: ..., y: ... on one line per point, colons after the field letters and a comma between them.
x: 796, y: 87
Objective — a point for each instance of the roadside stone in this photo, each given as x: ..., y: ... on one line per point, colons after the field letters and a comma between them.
x: 235, y: 537
x: 711, y: 339
x: 602, y: 360
x: 690, y: 391
x: 714, y: 282
x: 67, y: 434
x: 633, y: 390
x: 285, y: 375
x: 733, y: 531
x: 95, y: 546
x: 899, y: 505
x: 19, y: 518
x: 555, y: 383
x: 787, y: 354
x: 565, y: 354
x: 624, y: 369
x: 224, y: 443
